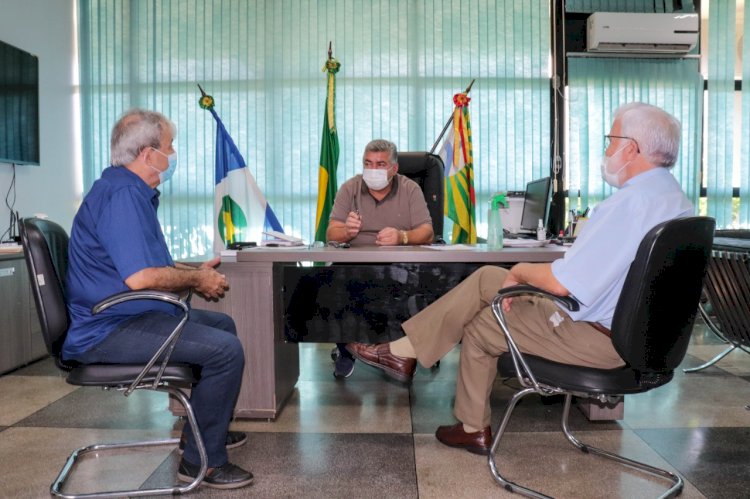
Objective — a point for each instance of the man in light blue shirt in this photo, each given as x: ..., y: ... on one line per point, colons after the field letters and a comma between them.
x: 643, y: 145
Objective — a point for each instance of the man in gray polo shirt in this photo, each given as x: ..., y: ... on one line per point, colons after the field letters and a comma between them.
x: 378, y: 207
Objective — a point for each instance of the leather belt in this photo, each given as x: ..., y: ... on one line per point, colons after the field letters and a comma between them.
x: 606, y: 332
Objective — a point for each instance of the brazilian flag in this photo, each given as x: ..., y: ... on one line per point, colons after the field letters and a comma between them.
x: 329, y: 154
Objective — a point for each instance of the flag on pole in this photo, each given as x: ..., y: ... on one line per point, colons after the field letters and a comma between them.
x: 456, y: 153
x: 329, y: 153
x: 241, y: 212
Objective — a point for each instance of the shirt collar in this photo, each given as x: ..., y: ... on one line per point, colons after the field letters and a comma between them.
x: 121, y: 176
x: 643, y: 177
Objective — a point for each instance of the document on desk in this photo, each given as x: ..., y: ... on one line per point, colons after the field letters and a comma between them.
x: 523, y: 243
x: 447, y: 247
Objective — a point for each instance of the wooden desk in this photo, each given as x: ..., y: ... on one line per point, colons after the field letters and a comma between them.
x: 254, y: 301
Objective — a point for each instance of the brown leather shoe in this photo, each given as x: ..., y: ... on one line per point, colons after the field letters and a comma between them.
x: 478, y: 442
x: 380, y: 356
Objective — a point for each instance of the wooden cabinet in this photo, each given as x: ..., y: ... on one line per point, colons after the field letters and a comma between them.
x: 20, y: 334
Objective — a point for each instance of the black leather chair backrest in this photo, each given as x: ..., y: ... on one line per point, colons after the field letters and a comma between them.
x: 656, y: 310
x: 428, y: 171
x: 46, y: 283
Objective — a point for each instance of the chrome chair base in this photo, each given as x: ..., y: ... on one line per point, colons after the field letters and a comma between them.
x: 676, y: 480
x: 66, y: 472
x: 717, y: 332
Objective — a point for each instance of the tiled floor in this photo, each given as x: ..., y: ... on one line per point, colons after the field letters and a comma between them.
x: 371, y: 437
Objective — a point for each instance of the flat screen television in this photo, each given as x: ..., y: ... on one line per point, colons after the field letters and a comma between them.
x: 19, y: 106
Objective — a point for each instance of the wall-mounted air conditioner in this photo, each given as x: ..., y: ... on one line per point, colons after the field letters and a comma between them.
x: 673, y: 33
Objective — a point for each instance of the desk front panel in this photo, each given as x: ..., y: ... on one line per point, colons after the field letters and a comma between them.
x: 343, y: 302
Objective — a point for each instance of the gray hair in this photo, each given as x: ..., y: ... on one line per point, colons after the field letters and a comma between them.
x: 656, y: 131
x: 382, y: 145
x: 136, y: 130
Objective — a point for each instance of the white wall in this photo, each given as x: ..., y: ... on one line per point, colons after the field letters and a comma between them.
x: 46, y: 29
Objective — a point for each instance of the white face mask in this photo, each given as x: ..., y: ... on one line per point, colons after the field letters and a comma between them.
x: 611, y: 178
x: 171, y: 166
x: 375, y: 178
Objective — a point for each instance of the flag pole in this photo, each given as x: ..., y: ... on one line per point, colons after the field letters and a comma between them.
x: 450, y: 120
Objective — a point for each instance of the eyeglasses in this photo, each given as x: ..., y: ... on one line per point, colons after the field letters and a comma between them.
x: 608, y: 139
x: 380, y: 165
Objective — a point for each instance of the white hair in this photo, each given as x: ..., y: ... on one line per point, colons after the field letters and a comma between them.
x: 136, y: 130
x: 656, y: 131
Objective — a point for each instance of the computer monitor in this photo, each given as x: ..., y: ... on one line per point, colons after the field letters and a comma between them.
x: 536, y: 203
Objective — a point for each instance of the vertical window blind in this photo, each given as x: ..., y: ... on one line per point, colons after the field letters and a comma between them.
x: 402, y: 61
x: 597, y: 86
x: 727, y: 138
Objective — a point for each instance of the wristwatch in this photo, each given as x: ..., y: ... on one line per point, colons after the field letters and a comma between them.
x: 404, y: 238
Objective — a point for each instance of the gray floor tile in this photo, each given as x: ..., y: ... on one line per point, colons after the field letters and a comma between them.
x: 96, y: 408
x: 352, y: 407
x: 544, y: 461
x: 690, y: 401
x: 42, y: 367
x: 691, y: 361
x: 31, y: 458
x: 23, y: 396
x: 715, y: 460
x: 318, y: 465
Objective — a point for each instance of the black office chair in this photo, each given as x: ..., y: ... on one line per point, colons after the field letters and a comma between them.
x: 650, y: 330
x: 45, y: 246
x: 427, y: 170
x: 727, y: 287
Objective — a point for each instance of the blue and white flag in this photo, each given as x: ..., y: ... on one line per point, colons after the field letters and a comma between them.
x: 241, y: 212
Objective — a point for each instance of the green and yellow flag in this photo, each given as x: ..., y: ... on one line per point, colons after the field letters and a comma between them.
x: 329, y: 154
x: 458, y: 158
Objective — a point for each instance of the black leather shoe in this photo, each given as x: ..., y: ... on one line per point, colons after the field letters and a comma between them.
x: 226, y: 476
x: 478, y: 442
x: 234, y: 439
x: 380, y: 356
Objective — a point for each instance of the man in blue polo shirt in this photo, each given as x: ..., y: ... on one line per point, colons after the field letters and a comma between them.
x: 117, y: 245
x: 642, y: 145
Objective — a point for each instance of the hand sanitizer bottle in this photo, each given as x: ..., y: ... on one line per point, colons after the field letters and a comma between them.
x: 541, y: 232
x: 494, y: 221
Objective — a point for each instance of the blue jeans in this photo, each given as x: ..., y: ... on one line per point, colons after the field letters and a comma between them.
x: 209, y: 340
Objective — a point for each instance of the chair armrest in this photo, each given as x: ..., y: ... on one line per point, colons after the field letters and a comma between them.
x: 168, y: 346
x: 146, y: 294
x: 524, y: 289
x: 521, y: 366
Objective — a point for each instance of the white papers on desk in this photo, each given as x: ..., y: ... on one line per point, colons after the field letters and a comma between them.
x: 523, y: 243
x: 279, y: 243
x: 447, y: 247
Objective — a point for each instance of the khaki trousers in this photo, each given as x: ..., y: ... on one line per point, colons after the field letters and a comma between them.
x: 538, y: 326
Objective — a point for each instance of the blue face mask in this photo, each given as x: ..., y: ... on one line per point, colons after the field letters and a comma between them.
x: 171, y: 166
